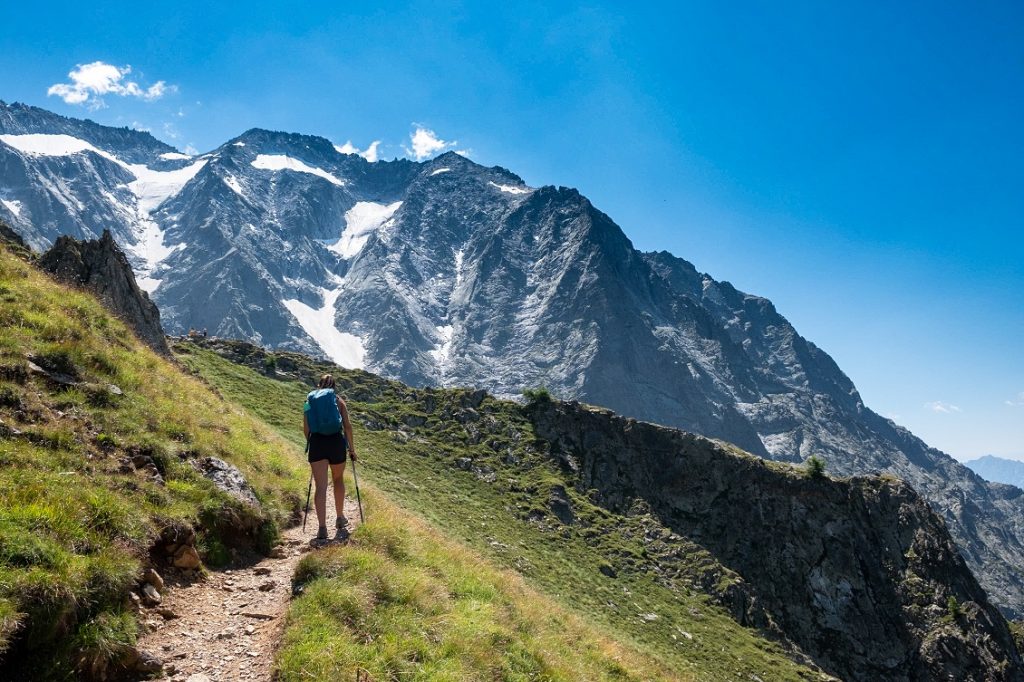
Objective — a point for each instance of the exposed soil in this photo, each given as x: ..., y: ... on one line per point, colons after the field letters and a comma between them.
x: 228, y: 625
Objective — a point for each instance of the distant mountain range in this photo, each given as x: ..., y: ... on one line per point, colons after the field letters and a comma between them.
x: 448, y: 273
x: 998, y: 469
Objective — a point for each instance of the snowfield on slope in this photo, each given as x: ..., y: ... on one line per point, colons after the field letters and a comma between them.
x: 278, y: 162
x: 342, y: 348
x: 361, y: 221
x: 13, y: 205
x: 511, y: 189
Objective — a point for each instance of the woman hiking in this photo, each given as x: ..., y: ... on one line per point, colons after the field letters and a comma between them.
x: 329, y: 437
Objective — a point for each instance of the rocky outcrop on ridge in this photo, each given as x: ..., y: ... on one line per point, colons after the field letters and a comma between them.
x: 858, y: 573
x: 100, y: 266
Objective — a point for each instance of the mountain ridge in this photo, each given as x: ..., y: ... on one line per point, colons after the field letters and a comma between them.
x: 445, y: 272
x: 998, y: 469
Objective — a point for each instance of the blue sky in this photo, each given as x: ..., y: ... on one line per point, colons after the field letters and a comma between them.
x: 860, y: 164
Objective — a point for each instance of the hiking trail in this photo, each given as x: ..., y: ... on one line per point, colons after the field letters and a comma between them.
x: 228, y: 625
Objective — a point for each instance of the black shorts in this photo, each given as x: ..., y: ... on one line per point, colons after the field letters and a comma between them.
x: 333, y: 448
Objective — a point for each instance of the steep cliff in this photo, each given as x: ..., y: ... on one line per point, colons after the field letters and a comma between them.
x: 858, y: 572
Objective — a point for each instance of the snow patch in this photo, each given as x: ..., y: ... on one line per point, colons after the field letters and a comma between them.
x: 342, y: 348
x: 276, y: 162
x: 233, y: 183
x: 443, y: 352
x: 360, y: 222
x: 459, y: 257
x: 148, y: 284
x: 511, y: 189
x: 13, y: 205
x: 238, y: 144
x: 154, y: 187
x: 440, y: 170
x: 40, y: 144
x: 175, y: 156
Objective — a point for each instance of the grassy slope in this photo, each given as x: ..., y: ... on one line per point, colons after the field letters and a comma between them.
x: 485, y: 484
x: 404, y: 602
x: 77, y: 521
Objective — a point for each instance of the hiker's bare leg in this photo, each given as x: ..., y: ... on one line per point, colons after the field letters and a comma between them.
x: 338, y: 474
x: 320, y: 496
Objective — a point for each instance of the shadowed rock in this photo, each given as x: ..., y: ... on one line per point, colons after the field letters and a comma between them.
x: 100, y: 266
x: 858, y: 573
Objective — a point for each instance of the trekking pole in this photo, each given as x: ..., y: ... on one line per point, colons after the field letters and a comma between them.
x: 309, y: 490
x: 359, y: 500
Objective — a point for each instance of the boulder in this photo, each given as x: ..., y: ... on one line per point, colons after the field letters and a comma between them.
x: 228, y: 478
x: 150, y: 595
x: 153, y: 578
x: 187, y: 557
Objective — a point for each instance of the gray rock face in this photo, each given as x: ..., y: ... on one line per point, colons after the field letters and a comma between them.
x: 858, y: 573
x: 102, y: 268
x: 449, y: 273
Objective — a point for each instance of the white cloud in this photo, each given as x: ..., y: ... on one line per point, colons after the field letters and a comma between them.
x: 191, y: 150
x: 90, y: 82
x: 1019, y: 402
x: 370, y: 153
x: 942, y: 407
x: 426, y: 143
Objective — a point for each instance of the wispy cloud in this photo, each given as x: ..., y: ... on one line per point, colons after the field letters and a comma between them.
x: 370, y: 153
x: 89, y: 83
x: 942, y: 407
x: 1018, y: 402
x: 426, y: 143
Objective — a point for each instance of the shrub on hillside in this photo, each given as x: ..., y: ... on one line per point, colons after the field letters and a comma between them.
x: 537, y: 395
x: 815, y: 468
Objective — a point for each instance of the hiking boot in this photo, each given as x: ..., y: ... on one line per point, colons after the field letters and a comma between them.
x: 321, y: 535
x: 342, y: 522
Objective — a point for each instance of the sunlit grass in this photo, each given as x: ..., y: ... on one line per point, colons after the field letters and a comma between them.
x: 404, y: 602
x: 76, y: 519
x: 487, y: 506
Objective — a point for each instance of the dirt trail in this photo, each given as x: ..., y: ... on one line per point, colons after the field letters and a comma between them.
x: 228, y: 626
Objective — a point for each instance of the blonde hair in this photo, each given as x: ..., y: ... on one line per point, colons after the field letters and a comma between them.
x: 326, y: 381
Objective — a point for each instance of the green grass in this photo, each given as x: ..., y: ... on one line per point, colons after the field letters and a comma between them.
x: 403, y: 602
x: 77, y: 520
x: 485, y: 482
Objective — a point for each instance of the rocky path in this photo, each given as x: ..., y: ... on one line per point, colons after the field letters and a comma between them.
x: 227, y: 626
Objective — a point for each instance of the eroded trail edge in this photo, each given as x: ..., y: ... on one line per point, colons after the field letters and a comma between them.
x: 228, y: 625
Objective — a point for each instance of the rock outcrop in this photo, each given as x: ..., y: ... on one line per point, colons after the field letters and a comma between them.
x: 100, y: 266
x: 858, y: 573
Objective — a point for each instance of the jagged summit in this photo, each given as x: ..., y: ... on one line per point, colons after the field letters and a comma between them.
x: 446, y: 272
x: 101, y: 267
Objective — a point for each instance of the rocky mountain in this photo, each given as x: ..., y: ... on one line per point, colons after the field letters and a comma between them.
x: 859, y: 573
x: 100, y: 266
x: 449, y: 273
x: 998, y: 470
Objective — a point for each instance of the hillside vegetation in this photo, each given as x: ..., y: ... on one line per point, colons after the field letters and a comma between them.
x: 476, y: 475
x: 402, y: 601
x: 97, y: 440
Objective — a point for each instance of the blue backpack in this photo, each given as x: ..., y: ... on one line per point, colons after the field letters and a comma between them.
x: 322, y: 413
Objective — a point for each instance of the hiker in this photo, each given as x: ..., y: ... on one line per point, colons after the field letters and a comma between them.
x: 328, y: 433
